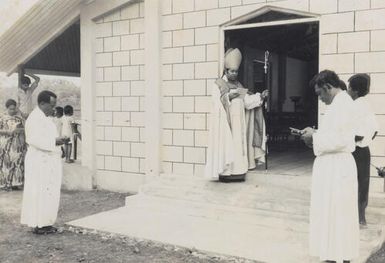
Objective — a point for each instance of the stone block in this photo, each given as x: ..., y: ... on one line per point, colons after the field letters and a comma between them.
x: 381, y: 124
x: 112, y: 44
x: 340, y: 63
x: 172, y: 153
x: 218, y: 16
x: 141, y: 41
x: 130, y: 73
x: 137, y: 57
x: 196, y: 121
x: 199, y: 170
x: 137, y: 149
x: 204, y: 4
x: 112, y: 103
x: 167, y: 104
x: 114, y: 16
x: 183, y: 104
x: 377, y: 3
x: 113, y: 163
x: 99, y: 133
x: 172, y: 22
x: 183, y: 138
x: 103, y: 59
x: 137, y: 88
x: 142, y: 134
x: 377, y: 103
x: 119, y: 181
x: 121, y: 58
x: 201, y: 138
x: 103, y: 118
x: 137, y: 119
x: 172, y: 120
x: 377, y: 40
x: 299, y: 5
x: 99, y: 72
x: 121, y: 27
x: 172, y: 88
x: 353, y: 42
x: 206, y: 70
x: 166, y: 7
x: 121, y: 148
x: 130, y: 165
x: 121, y: 119
x: 328, y: 44
x: 206, y: 35
x: 377, y: 81
x: 194, y: 155
x: 172, y: 55
x: 370, y: 62
x: 237, y: 11
x: 130, y: 134
x: 129, y: 42
x: 99, y: 162
x: 183, y: 37
x: 130, y: 11
x: 103, y: 30
x: 167, y: 167
x: 212, y: 52
x: 137, y: 26
x: 121, y: 88
x: 113, y: 133
x: 104, y: 147
x: 203, y: 104
x: 183, y: 71
x: 183, y: 168
x: 103, y: 89
x: 142, y: 165
x: 324, y: 6
x: 167, y: 39
x: 99, y: 45
x: 370, y: 19
x: 226, y: 3
x: 194, y: 19
x: 130, y: 104
x: 194, y: 54
x: 112, y: 74
x: 195, y: 87
x: 141, y: 72
x: 167, y: 137
x: 181, y: 6
x: 353, y: 5
x: 166, y: 72
x: 378, y: 147
x: 345, y: 23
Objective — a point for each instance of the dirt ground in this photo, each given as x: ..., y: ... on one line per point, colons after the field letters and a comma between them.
x: 18, y: 244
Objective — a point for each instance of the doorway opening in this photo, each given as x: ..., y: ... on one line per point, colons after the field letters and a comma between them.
x: 280, y: 57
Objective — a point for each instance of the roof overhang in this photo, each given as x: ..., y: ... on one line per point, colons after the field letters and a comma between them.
x: 43, y: 23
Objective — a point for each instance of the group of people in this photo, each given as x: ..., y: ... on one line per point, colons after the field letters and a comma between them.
x: 341, y: 170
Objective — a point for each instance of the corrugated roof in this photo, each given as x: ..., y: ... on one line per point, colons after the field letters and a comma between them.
x: 44, y: 22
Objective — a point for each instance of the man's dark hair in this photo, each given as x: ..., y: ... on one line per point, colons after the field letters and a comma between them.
x: 9, y: 103
x: 68, y: 110
x: 59, y: 110
x: 360, y: 83
x: 25, y: 80
x: 342, y: 85
x: 45, y: 96
x: 326, y: 78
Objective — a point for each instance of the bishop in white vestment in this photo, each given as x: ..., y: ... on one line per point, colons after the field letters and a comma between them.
x: 334, y: 229
x: 237, y: 129
x: 43, y: 166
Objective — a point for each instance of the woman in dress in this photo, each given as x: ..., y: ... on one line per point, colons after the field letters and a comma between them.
x: 12, y: 147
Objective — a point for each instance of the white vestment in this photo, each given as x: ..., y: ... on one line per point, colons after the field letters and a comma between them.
x: 230, y: 150
x: 43, y: 172
x: 334, y: 228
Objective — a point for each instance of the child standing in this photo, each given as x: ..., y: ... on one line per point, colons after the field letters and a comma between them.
x: 67, y: 121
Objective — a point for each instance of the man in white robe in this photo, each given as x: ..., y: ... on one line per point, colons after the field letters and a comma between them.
x: 237, y: 130
x: 334, y: 229
x: 43, y: 167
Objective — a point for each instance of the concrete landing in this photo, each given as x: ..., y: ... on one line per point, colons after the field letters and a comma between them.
x: 264, y: 219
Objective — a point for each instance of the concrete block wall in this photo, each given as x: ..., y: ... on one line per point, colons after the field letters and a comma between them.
x: 352, y: 40
x: 120, y: 98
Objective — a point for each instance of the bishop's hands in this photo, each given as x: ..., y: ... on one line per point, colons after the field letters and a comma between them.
x: 307, y: 136
x: 264, y: 94
x: 62, y: 140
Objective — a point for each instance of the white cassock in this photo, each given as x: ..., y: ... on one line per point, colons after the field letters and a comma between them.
x: 334, y: 228
x: 230, y: 149
x: 43, y: 172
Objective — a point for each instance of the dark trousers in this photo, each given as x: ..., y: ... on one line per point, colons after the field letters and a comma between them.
x: 362, y: 157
